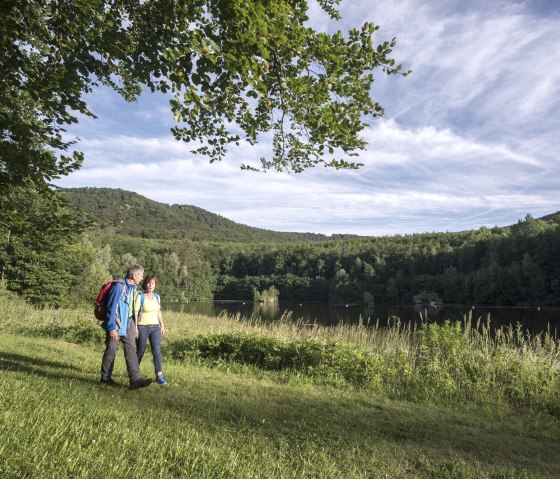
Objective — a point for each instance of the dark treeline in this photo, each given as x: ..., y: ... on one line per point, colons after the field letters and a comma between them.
x: 515, y: 265
x: 508, y: 266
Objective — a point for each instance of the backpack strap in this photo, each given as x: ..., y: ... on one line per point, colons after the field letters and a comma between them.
x: 124, y: 289
x: 142, y: 299
x: 141, y: 306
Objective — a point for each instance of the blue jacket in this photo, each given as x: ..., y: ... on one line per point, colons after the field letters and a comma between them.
x: 119, y: 308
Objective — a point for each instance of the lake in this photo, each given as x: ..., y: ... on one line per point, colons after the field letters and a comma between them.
x: 533, y: 319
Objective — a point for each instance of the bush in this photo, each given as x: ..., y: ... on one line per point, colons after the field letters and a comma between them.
x: 447, y: 362
x: 326, y: 359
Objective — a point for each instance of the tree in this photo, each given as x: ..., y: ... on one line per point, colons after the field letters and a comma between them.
x: 234, y: 69
x: 40, y: 257
x: 270, y: 294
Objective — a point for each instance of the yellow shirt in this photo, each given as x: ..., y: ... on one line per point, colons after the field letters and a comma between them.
x: 150, y: 308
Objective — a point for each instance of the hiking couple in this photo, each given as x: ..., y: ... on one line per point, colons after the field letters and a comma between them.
x: 132, y: 318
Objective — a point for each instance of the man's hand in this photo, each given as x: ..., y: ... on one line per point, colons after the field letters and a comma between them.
x: 113, y: 335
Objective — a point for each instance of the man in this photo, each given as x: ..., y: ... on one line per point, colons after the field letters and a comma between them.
x: 120, y: 326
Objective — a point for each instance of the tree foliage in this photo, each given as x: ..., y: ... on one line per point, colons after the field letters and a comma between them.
x: 517, y: 265
x: 40, y: 256
x: 234, y: 69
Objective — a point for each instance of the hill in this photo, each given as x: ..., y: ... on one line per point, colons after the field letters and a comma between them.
x: 550, y: 217
x: 135, y: 215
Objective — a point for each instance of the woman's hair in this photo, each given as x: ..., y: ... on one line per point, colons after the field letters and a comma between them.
x: 147, y: 279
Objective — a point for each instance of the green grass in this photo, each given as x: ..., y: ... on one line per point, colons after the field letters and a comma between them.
x: 227, y: 418
x: 56, y: 421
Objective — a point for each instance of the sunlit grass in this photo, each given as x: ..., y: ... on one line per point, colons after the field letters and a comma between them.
x: 57, y: 421
x: 462, y: 363
x: 225, y: 417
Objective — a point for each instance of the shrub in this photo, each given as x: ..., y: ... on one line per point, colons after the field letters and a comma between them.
x: 327, y: 359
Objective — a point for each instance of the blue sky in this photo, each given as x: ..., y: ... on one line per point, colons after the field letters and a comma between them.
x: 471, y: 139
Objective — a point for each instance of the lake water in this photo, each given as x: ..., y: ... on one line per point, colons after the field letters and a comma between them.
x: 533, y: 319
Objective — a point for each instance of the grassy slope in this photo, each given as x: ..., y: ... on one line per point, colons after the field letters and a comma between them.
x: 56, y: 421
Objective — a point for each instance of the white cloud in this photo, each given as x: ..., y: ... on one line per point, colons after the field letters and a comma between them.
x: 451, y: 176
x: 470, y: 139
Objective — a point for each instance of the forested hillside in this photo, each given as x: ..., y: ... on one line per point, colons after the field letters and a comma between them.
x: 141, y: 217
x: 198, y: 255
x: 516, y: 265
x: 550, y: 217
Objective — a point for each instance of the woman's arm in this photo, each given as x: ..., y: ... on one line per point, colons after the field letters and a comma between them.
x: 160, y: 319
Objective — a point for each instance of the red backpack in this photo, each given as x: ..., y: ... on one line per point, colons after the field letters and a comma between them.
x: 100, y: 308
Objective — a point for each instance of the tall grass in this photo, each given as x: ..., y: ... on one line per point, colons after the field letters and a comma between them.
x: 243, y: 401
x: 462, y: 362
x: 56, y: 421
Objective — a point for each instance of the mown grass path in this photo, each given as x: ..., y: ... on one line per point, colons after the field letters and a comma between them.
x: 57, y: 421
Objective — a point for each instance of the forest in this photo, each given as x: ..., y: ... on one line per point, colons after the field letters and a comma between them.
x: 232, y: 71
x: 513, y: 265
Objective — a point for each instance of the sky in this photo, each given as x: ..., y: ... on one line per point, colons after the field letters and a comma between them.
x: 470, y: 139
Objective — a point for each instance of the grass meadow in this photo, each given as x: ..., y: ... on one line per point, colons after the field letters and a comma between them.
x: 252, y: 400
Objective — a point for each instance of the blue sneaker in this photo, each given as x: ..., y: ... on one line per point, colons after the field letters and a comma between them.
x: 161, y: 380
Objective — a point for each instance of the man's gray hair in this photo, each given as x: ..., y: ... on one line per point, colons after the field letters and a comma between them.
x: 135, y: 268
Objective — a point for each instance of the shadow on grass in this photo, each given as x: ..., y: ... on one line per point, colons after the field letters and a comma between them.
x: 19, y: 362
x: 42, y: 367
x: 330, y: 418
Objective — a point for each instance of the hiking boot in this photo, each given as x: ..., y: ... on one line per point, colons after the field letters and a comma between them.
x: 140, y: 383
x: 109, y: 382
x: 161, y: 380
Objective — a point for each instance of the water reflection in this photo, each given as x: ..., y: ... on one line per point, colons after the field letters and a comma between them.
x: 533, y: 319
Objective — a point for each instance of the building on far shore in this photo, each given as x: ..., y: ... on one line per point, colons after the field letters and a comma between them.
x: 431, y: 299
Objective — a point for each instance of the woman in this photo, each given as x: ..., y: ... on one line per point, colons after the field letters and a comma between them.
x: 149, y: 324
